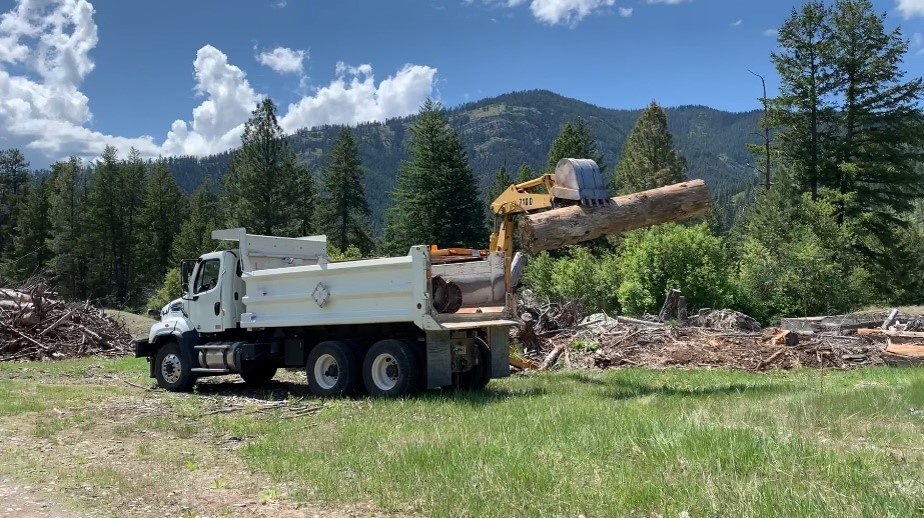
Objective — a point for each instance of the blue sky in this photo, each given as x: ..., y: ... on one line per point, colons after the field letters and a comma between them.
x: 180, y: 77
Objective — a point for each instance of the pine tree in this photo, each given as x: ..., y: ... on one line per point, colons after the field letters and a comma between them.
x: 67, y: 244
x: 263, y: 186
x: 575, y: 141
x: 649, y: 159
x: 195, y: 234
x: 803, y: 107
x: 343, y: 212
x: 163, y: 202
x: 525, y: 173
x: 14, y: 177
x: 881, y: 132
x: 114, y: 201
x: 499, y: 183
x: 437, y: 198
x: 32, y: 232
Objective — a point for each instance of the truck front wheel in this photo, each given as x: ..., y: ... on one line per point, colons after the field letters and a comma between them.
x: 171, y: 369
x: 390, y: 369
x: 333, y: 369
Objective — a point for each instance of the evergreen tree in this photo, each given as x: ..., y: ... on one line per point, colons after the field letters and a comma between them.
x: 195, y: 235
x: 649, y: 159
x: 343, y: 212
x: 803, y: 107
x: 881, y: 131
x: 163, y: 202
x: 33, y: 229
x: 437, y: 198
x: 575, y: 141
x: 14, y: 177
x: 525, y: 173
x: 262, y: 186
x: 499, y: 183
x: 114, y: 202
x: 303, y: 213
x: 67, y: 244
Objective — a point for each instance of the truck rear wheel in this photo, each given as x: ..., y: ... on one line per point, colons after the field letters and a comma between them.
x: 390, y: 369
x: 172, y: 370
x: 333, y: 369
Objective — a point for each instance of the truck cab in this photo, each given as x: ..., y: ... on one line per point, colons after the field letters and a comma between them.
x: 386, y: 326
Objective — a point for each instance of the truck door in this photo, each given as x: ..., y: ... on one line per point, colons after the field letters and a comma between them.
x: 205, y: 292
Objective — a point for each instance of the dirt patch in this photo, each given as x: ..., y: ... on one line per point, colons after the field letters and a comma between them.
x: 153, y: 454
x: 137, y: 326
x: 21, y: 501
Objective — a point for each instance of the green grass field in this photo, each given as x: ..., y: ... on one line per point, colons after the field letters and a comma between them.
x: 626, y: 442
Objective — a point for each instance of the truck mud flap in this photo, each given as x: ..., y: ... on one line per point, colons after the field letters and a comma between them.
x: 439, y: 359
x: 499, y: 343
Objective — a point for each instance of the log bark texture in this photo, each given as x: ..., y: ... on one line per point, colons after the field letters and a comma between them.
x: 556, y: 228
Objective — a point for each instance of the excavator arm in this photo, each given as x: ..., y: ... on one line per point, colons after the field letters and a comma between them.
x: 575, y: 181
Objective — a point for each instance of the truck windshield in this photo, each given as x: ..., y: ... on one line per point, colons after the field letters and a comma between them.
x: 207, y: 278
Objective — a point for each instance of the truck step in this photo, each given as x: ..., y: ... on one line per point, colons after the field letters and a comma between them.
x: 210, y: 371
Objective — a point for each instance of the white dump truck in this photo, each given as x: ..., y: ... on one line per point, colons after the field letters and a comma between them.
x: 388, y: 326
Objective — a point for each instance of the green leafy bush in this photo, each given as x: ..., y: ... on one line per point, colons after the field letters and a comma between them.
x: 672, y: 256
x: 581, y: 274
x: 169, y: 290
x: 795, y: 257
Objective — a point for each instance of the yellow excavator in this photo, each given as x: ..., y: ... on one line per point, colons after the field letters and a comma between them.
x: 575, y: 181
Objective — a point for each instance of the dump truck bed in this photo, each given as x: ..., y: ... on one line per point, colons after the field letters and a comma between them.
x: 315, y: 292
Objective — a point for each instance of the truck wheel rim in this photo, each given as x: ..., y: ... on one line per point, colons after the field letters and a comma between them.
x: 326, y: 371
x: 385, y: 372
x: 171, y: 368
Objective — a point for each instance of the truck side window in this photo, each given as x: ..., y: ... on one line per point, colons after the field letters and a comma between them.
x: 207, y: 278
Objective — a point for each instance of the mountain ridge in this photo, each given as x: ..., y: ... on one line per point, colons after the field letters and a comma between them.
x: 517, y: 127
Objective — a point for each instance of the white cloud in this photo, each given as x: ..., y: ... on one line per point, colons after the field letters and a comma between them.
x: 910, y: 8
x: 625, y: 12
x: 353, y: 97
x: 218, y: 121
x: 737, y: 23
x: 570, y: 12
x: 771, y: 33
x: 43, y: 111
x: 283, y: 60
x: 281, y: 4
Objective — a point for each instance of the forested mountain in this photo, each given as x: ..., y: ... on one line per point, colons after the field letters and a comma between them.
x: 515, y: 128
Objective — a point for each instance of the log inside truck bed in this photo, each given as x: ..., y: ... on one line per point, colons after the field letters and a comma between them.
x: 570, y: 225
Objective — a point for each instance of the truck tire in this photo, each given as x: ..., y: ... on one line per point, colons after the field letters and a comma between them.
x: 390, y: 369
x: 258, y: 374
x: 172, y: 370
x: 332, y: 369
x: 478, y: 377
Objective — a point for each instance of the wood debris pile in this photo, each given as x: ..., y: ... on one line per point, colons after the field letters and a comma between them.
x: 709, y: 338
x: 36, y: 325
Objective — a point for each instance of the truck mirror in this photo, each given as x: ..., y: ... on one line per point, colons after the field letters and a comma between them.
x: 186, y: 268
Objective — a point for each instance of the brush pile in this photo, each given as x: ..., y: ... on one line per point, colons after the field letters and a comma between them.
x: 709, y: 338
x: 36, y: 325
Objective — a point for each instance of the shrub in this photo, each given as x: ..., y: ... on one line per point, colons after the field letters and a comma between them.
x: 672, y: 256
x: 169, y: 290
